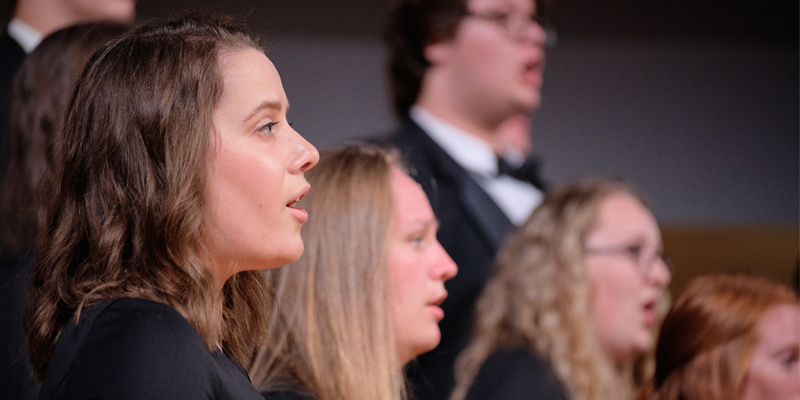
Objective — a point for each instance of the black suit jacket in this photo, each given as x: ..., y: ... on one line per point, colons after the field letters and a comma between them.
x: 11, y: 57
x: 472, y: 228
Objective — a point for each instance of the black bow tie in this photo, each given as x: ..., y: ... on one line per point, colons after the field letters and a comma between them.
x: 527, y: 172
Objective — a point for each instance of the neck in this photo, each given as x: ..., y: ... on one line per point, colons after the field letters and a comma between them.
x: 482, y: 131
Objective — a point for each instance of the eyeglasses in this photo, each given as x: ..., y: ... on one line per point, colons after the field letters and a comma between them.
x: 515, y: 24
x: 644, y: 261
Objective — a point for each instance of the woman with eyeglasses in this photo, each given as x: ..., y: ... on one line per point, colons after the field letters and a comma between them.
x: 572, y: 307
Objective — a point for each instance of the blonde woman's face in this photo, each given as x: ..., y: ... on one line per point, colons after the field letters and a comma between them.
x: 256, y: 172
x: 418, y: 268
x: 773, y: 373
x: 627, y: 275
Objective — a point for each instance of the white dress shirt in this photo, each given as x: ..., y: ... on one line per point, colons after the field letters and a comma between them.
x: 27, y: 37
x: 515, y: 198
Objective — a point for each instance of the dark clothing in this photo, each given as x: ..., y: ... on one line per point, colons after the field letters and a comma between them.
x: 472, y: 228
x: 515, y: 374
x: 284, y: 395
x: 11, y: 57
x: 15, y: 369
x: 139, y: 349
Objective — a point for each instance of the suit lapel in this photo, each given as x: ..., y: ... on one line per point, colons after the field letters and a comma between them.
x: 492, y: 222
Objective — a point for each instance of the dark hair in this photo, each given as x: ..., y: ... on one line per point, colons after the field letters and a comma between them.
x: 124, y: 199
x: 707, y: 338
x: 411, y: 25
x: 40, y: 94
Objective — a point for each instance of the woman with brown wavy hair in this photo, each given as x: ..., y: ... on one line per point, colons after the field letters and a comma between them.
x: 363, y: 300
x: 731, y: 337
x: 176, y: 179
x: 572, y: 304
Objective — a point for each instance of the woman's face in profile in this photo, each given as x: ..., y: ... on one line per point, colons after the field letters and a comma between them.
x: 627, y: 274
x: 773, y: 373
x: 256, y: 171
x: 418, y: 268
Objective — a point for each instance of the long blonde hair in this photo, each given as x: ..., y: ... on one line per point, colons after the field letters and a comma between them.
x: 330, y: 332
x: 539, y: 298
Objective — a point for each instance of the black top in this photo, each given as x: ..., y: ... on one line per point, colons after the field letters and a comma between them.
x: 515, y: 374
x: 15, y: 369
x: 284, y: 395
x: 139, y: 349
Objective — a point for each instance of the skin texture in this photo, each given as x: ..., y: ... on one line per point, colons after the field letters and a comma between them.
x: 624, y: 295
x: 48, y: 16
x: 257, y: 170
x: 485, y: 74
x: 98, y: 10
x: 418, y: 268
x: 773, y: 373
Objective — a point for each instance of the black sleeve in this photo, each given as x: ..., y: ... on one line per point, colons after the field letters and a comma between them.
x: 515, y: 375
x: 284, y: 395
x: 139, y: 349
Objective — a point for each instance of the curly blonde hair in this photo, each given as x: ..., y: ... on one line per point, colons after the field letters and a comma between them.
x: 539, y: 298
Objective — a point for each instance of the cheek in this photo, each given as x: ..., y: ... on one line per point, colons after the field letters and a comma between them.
x: 615, y: 306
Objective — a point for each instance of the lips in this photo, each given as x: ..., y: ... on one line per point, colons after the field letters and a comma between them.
x: 435, y: 308
x: 298, y: 212
x: 649, y: 313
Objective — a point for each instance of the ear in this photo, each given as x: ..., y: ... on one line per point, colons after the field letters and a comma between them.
x: 438, y: 52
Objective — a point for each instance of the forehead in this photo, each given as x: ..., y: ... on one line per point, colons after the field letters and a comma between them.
x: 622, y: 215
x: 780, y: 324
x: 511, y: 5
x: 410, y: 204
x: 248, y: 72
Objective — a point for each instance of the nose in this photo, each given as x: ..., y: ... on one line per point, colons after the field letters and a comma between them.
x: 305, y: 157
x: 533, y: 34
x: 444, y: 268
x: 659, y: 273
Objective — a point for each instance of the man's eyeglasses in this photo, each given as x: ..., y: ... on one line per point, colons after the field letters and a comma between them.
x: 644, y: 261
x: 515, y: 24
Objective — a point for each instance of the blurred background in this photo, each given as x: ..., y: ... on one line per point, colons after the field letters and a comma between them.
x: 696, y: 102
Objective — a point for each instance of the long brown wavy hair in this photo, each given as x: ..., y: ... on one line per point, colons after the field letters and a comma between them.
x: 708, y: 336
x: 539, y: 298
x: 41, y: 91
x: 330, y: 333
x: 124, y: 199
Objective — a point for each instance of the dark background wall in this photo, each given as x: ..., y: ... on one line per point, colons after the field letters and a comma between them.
x: 696, y: 102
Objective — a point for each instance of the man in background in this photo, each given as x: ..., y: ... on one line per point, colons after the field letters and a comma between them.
x: 461, y: 72
x: 31, y: 22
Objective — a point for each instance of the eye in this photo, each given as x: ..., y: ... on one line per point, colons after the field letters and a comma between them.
x: 790, y: 361
x: 266, y: 129
x: 499, y: 17
x: 635, y: 251
x: 416, y: 240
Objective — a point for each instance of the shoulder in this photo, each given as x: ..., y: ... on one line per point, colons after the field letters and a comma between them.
x: 516, y: 373
x: 139, y: 349
x: 284, y: 395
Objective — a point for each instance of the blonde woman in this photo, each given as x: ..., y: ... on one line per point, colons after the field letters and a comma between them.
x: 364, y: 298
x: 573, y: 301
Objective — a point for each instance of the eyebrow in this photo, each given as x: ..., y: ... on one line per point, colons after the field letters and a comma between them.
x: 267, y: 105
